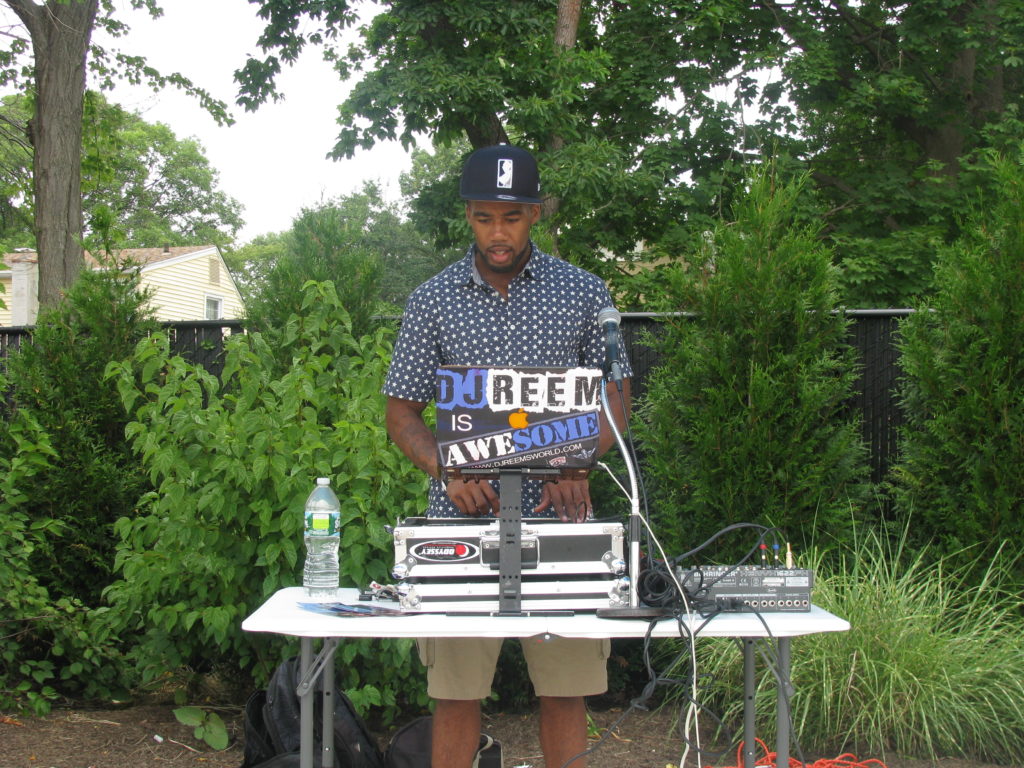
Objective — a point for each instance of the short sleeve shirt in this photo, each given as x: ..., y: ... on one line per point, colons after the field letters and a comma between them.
x: 456, y: 318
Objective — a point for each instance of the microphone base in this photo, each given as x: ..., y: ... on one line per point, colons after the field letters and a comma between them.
x: 640, y: 612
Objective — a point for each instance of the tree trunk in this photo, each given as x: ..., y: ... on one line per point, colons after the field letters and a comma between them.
x: 567, y: 24
x: 566, y: 27
x: 486, y: 132
x: 60, y: 33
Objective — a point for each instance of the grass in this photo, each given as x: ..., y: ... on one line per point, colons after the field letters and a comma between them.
x: 932, y: 666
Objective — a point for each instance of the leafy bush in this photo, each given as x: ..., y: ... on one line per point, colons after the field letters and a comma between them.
x: 45, y: 643
x: 962, y: 466
x: 66, y: 474
x: 930, y: 667
x: 745, y: 414
x: 329, y: 242
x: 232, y: 465
x: 58, y: 381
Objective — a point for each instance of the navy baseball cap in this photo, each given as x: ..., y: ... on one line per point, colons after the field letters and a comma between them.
x: 501, y: 173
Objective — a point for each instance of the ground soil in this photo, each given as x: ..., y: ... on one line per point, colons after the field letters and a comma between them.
x: 149, y: 735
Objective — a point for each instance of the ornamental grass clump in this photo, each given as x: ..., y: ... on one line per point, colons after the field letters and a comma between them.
x: 931, y: 666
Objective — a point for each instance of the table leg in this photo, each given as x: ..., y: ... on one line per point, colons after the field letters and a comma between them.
x: 327, y: 741
x: 749, y: 690
x: 312, y: 668
x: 782, y: 718
x: 306, y: 706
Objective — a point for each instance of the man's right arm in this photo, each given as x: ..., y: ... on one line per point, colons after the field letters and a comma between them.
x: 405, y: 425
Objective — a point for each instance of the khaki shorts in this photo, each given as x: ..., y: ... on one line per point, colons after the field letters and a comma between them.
x: 462, y: 668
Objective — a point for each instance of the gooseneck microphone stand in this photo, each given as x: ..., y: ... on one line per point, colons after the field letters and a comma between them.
x: 635, y: 610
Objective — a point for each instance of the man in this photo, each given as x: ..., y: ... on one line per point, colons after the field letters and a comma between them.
x: 505, y: 304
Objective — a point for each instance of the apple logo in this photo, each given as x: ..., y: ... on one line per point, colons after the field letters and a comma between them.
x: 518, y: 420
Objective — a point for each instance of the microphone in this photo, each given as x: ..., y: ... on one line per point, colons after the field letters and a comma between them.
x: 609, y: 319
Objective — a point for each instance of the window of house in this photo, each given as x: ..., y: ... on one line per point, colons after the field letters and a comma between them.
x: 214, y: 308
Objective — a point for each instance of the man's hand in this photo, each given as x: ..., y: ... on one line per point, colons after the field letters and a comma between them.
x: 570, y: 500
x: 473, y: 497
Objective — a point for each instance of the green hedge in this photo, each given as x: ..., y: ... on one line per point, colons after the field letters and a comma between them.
x: 961, y: 477
x: 745, y: 414
x: 232, y: 462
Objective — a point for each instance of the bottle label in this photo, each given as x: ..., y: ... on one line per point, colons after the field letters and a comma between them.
x: 321, y: 524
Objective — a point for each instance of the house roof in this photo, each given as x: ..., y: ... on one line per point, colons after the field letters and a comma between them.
x: 145, y: 257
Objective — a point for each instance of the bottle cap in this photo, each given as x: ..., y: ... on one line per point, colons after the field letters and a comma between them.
x: 323, y: 481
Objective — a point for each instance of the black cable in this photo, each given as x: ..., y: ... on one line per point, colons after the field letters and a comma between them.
x: 719, y: 534
x: 771, y: 658
x: 656, y: 680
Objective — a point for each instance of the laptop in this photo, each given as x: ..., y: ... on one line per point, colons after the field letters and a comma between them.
x: 494, y: 418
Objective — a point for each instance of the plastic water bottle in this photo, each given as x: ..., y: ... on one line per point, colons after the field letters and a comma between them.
x: 322, y: 536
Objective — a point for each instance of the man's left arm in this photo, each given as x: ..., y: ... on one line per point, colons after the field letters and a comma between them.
x: 570, y: 499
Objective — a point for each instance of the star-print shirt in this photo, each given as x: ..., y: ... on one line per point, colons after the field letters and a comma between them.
x: 456, y: 318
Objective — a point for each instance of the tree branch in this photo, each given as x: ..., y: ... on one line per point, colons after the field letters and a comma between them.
x: 486, y: 131
x: 29, y: 13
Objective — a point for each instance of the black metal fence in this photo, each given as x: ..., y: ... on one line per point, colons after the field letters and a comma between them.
x: 872, y: 333
x: 876, y: 397
x: 11, y: 340
x: 202, y: 341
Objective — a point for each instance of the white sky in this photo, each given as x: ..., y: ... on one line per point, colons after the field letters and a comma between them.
x: 273, y: 160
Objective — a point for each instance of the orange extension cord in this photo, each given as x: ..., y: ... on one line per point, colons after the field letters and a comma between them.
x: 845, y: 760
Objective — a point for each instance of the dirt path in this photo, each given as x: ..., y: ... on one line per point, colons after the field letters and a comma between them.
x: 149, y: 735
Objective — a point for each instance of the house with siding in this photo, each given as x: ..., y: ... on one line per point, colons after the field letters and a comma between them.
x: 189, y: 282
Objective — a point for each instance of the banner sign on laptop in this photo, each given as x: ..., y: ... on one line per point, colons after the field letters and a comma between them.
x: 489, y: 418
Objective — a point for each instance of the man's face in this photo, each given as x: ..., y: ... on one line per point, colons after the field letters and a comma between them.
x: 502, y: 233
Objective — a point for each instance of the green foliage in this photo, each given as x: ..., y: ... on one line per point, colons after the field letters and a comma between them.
x: 359, y: 241
x: 46, y: 642
x: 432, y: 185
x: 744, y: 419
x: 232, y: 464
x: 931, y: 666
x: 962, y: 465
x: 142, y: 186
x: 208, y: 725
x: 893, y: 102
x: 65, y: 476
x: 617, y: 120
x: 58, y: 382
x: 644, y: 126
x: 15, y: 182
x: 319, y: 247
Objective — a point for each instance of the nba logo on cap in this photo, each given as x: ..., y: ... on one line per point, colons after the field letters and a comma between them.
x: 504, y: 180
x: 501, y: 173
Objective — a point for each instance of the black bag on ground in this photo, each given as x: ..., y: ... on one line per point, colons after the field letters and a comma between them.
x: 272, y: 726
x: 410, y: 747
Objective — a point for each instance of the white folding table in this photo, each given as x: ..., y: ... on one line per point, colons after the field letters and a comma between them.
x: 282, y: 614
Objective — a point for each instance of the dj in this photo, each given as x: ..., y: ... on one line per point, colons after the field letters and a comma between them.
x: 505, y: 303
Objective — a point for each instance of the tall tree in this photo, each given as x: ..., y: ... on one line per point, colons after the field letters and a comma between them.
x: 142, y: 186
x: 360, y: 241
x: 488, y: 71
x: 60, y: 33
x: 57, y: 35
x: 896, y: 103
x: 644, y: 121
x: 566, y: 26
x: 961, y: 470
